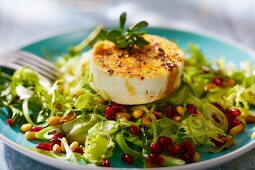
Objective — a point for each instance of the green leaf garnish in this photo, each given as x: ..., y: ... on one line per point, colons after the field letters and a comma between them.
x: 129, y: 38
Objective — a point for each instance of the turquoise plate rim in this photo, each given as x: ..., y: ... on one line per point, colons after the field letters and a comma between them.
x: 198, y: 165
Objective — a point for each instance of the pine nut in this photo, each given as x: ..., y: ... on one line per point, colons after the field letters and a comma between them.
x: 209, y: 86
x: 180, y: 110
x: 122, y: 120
x: 25, y: 127
x: 177, y: 118
x: 148, y: 119
x: 67, y: 118
x: 56, y: 148
x: 29, y: 135
x: 196, y: 157
x: 73, y: 145
x: 228, y: 83
x: 54, y: 120
x: 123, y: 115
x: 236, y: 130
x: 138, y: 113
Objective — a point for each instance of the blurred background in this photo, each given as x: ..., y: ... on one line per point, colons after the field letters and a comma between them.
x: 23, y: 21
x: 26, y: 20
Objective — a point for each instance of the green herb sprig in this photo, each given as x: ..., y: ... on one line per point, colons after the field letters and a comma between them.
x: 124, y: 38
x: 128, y: 38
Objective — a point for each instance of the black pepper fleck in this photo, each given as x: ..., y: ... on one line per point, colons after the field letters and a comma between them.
x: 110, y: 71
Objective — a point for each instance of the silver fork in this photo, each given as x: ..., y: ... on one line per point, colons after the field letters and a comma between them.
x: 19, y: 59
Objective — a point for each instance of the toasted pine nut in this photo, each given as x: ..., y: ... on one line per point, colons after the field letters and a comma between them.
x: 122, y: 120
x: 56, y: 148
x: 123, y: 114
x: 196, y: 157
x: 67, y: 118
x: 180, y: 110
x: 148, y: 119
x: 25, y: 127
x: 250, y: 118
x: 54, y: 120
x: 138, y: 113
x: 75, y: 144
x: 236, y: 130
x: 29, y: 135
x: 228, y: 83
x: 209, y: 86
x: 177, y: 118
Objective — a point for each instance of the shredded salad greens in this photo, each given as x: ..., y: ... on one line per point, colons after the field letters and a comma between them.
x: 209, y: 109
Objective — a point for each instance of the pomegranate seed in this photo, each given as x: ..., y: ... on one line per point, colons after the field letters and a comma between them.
x: 215, y: 117
x: 170, y: 111
x: 236, y: 122
x: 43, y: 146
x: 105, y: 163
x: 155, y: 159
x: 229, y: 119
x: 221, y: 141
x: 9, y: 122
x: 54, y: 141
x: 57, y: 136
x: 156, y: 148
x: 109, y: 113
x: 218, y: 81
x: 116, y: 107
x: 164, y: 141
x: 219, y: 107
x: 235, y: 112
x: 187, y: 158
x: 187, y: 147
x: 192, y: 109
x: 134, y: 130
x: 174, y: 149
x: 127, y: 158
x: 36, y: 129
x: 78, y: 150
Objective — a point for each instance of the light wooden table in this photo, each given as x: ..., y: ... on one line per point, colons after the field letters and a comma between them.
x: 22, y: 21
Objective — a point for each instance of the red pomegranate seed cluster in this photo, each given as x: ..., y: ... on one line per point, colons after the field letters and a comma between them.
x: 220, y: 141
x: 165, y: 145
x: 134, y: 130
x: 78, y: 150
x: 9, y: 122
x: 192, y: 109
x: 36, y: 129
x: 170, y: 111
x: 44, y: 146
x: 127, y: 158
x: 111, y: 109
x: 155, y: 159
x: 48, y: 146
x: 156, y: 148
x: 187, y: 151
x: 56, y: 140
x: 231, y: 116
x: 105, y: 163
x: 217, y: 81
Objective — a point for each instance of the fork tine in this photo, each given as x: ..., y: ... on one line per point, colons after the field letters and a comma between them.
x: 35, y: 68
x: 12, y: 66
x: 37, y: 64
x: 38, y: 60
x: 18, y: 59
